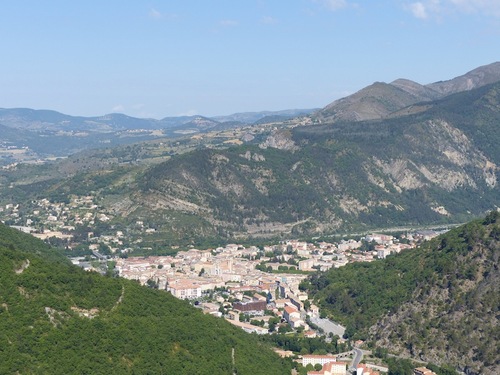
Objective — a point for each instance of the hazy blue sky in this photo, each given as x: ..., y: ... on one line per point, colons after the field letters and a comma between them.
x: 214, y: 57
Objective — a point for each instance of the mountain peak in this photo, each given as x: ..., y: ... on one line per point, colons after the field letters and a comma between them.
x: 380, y: 99
x: 478, y: 77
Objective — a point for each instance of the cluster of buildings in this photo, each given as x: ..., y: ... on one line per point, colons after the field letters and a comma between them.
x: 227, y: 281
x: 330, y: 365
x: 261, y: 283
x: 82, y: 221
x: 224, y: 282
x: 254, y: 288
x: 46, y: 219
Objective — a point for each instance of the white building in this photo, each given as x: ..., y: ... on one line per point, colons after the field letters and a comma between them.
x: 184, y: 289
x: 317, y: 359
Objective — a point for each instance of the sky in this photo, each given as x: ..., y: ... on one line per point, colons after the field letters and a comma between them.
x: 217, y: 57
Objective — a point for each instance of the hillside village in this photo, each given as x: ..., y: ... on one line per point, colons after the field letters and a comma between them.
x: 254, y: 288
x: 250, y: 280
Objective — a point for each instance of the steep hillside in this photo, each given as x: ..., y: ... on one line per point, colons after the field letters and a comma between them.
x: 476, y: 78
x: 438, y: 165
x: 57, y: 319
x: 375, y: 101
x: 437, y: 303
x: 380, y: 100
x: 453, y: 315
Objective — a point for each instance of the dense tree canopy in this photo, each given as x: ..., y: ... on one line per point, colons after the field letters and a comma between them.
x: 57, y: 319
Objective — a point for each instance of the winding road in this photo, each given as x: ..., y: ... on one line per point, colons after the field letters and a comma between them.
x: 358, y: 356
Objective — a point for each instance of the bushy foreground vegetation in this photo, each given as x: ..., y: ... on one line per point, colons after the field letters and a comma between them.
x: 438, y: 301
x: 58, y: 319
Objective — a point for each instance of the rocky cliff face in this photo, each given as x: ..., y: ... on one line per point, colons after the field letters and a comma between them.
x: 453, y: 317
x: 430, y: 167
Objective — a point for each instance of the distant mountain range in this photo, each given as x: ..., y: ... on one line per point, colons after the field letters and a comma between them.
x: 47, y: 120
x: 438, y: 164
x: 253, y: 117
x: 432, y: 162
x: 373, y: 102
x: 379, y: 100
x: 49, y: 133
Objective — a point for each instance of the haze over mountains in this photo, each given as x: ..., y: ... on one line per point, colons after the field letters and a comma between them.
x: 64, y: 134
x: 391, y: 155
x: 40, y: 120
x: 432, y: 162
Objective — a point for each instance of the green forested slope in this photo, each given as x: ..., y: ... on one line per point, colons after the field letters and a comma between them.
x: 58, y: 319
x: 439, y: 302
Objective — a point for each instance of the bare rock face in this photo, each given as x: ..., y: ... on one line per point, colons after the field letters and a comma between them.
x: 253, y: 156
x: 281, y: 140
x: 452, y: 317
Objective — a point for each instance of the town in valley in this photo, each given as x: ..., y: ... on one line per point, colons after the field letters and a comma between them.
x: 256, y: 288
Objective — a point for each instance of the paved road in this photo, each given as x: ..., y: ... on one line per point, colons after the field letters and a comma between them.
x: 396, y: 229
x: 358, y: 356
x: 328, y: 326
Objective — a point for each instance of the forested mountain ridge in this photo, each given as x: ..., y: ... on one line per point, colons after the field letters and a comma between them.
x: 453, y: 316
x: 433, y: 166
x: 438, y: 164
x: 58, y: 319
x: 438, y: 303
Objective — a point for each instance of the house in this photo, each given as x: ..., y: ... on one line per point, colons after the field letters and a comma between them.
x: 297, y: 322
x: 233, y: 315
x: 283, y: 353
x: 363, y: 369
x: 313, y: 310
x: 310, y: 334
x: 280, y: 303
x: 331, y: 368
x: 290, y: 312
x: 249, y: 327
x: 314, y: 359
x: 296, y: 302
x: 422, y: 371
x: 211, y: 308
x: 258, y: 297
x: 250, y: 306
x: 184, y: 289
x: 381, y: 239
x: 306, y: 265
x: 383, y: 252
